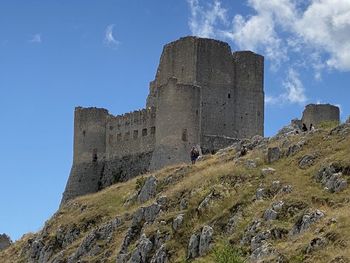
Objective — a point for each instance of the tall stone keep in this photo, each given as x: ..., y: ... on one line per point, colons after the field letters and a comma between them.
x: 202, y: 94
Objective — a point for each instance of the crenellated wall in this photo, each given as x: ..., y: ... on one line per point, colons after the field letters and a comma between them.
x: 131, y: 133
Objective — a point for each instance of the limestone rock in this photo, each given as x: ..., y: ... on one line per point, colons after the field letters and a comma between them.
x: 205, y: 240
x: 5, y: 241
x: 292, y: 150
x: 253, y: 228
x: 263, y: 251
x: 178, y: 222
x: 193, y: 246
x: 270, y: 214
x: 162, y: 201
x: 161, y: 255
x: 183, y: 204
x: 260, y: 194
x: 250, y: 164
x: 205, y: 203
x: 306, y: 221
x: 233, y: 221
x: 259, y: 239
x: 273, y: 154
x: 316, y: 244
x: 307, y: 161
x: 91, y: 243
x: 332, y: 178
x: 267, y: 171
x: 142, y: 252
x: 148, y: 190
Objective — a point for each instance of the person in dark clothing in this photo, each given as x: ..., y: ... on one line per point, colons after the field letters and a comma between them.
x: 304, y: 129
x: 194, y: 155
x: 243, y: 151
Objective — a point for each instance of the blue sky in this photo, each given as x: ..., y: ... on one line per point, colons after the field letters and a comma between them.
x: 58, y: 54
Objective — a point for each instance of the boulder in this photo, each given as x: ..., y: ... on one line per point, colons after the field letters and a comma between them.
x: 316, y: 244
x: 91, y: 243
x: 270, y: 214
x: 193, y: 246
x: 205, y: 240
x: 148, y: 190
x: 264, y: 251
x: 142, y: 252
x: 161, y: 255
x: 332, y: 178
x: 178, y: 222
x: 305, y: 221
x: 260, y: 194
x: 306, y: 161
x: 273, y: 154
x: 259, y: 239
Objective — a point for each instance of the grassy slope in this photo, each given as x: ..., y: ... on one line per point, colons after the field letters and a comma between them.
x: 234, y: 184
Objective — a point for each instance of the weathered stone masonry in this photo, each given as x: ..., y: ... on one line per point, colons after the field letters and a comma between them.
x: 203, y: 94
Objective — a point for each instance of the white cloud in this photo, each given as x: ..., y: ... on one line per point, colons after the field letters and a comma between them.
x: 298, y: 34
x: 325, y: 26
x: 203, y: 20
x: 109, y: 39
x: 293, y: 90
x: 36, y: 38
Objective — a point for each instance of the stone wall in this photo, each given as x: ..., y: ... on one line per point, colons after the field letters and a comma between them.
x: 249, y: 97
x: 131, y: 133
x: 89, y: 134
x: 177, y: 124
x: 318, y: 113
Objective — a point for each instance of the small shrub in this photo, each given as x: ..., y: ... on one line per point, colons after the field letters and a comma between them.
x: 228, y: 254
x: 140, y: 183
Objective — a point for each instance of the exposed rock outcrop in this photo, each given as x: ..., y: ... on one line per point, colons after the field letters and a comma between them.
x: 5, y: 241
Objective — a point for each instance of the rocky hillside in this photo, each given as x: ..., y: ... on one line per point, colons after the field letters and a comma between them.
x: 282, y: 199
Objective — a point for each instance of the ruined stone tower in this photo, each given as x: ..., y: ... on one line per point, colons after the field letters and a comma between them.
x: 203, y: 94
x: 317, y: 113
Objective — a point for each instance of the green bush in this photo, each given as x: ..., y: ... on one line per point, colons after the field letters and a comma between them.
x: 228, y: 254
x: 140, y: 183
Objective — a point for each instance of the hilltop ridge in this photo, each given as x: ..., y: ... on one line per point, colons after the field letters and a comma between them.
x: 286, y: 200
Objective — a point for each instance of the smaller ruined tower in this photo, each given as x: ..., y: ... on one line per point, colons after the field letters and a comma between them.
x: 88, y: 152
x: 318, y: 113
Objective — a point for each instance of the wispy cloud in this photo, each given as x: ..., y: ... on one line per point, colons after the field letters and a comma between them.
x: 110, y: 39
x: 204, y: 19
x: 36, y: 38
x: 293, y: 90
x: 295, y: 34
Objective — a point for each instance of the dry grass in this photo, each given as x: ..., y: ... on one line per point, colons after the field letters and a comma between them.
x: 234, y: 184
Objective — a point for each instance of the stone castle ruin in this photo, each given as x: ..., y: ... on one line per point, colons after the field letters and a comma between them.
x: 203, y: 94
x: 317, y: 114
